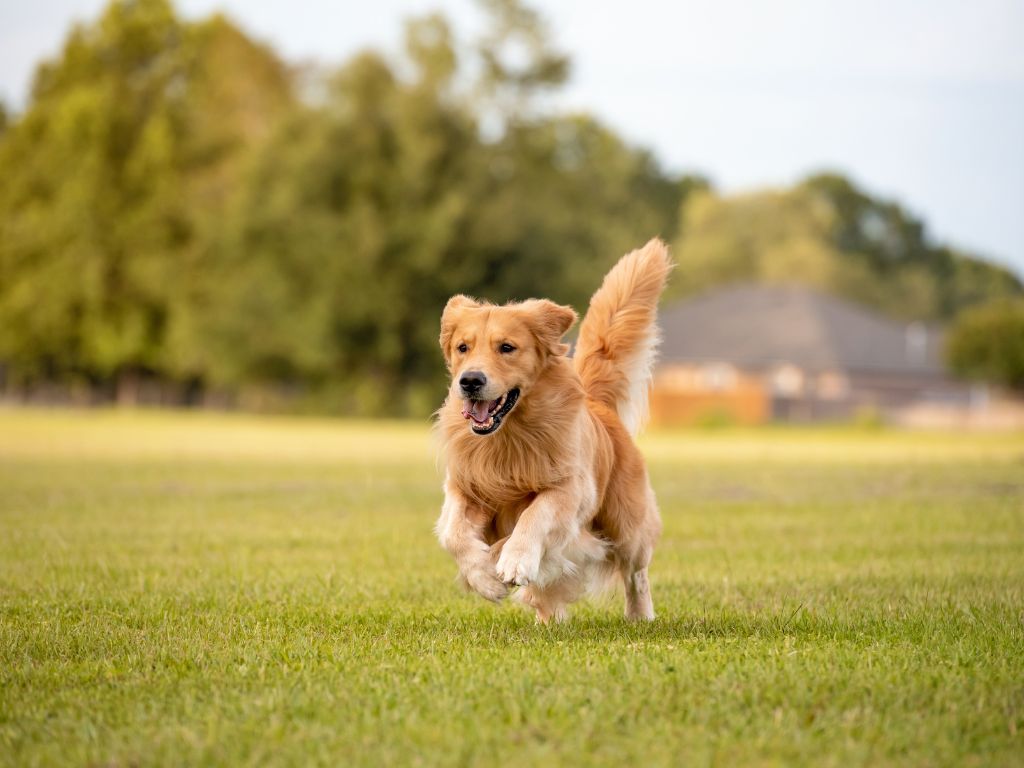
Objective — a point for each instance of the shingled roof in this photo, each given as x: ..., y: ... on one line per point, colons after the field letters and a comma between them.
x: 757, y: 326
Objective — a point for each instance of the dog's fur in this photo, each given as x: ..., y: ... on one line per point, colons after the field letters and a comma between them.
x: 556, y: 496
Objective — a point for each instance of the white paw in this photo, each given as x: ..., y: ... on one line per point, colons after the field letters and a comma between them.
x: 519, y: 565
x: 486, y: 583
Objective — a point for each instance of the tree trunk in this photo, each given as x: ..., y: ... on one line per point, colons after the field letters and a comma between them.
x: 128, y: 385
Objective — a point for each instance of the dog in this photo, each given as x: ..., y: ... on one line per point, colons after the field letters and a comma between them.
x: 545, y: 489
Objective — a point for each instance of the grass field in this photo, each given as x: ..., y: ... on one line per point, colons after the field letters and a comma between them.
x: 202, y: 589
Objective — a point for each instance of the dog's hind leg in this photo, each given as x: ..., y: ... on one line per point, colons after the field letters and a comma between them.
x: 639, y: 605
x: 634, y: 560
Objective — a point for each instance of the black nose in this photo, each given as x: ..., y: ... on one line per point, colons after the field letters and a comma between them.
x: 472, y: 382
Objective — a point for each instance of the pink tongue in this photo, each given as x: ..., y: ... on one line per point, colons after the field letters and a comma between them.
x: 476, y: 408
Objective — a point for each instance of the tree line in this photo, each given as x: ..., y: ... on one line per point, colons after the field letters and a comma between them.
x: 186, y: 217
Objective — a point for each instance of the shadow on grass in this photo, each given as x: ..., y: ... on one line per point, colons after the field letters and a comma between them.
x: 513, y: 627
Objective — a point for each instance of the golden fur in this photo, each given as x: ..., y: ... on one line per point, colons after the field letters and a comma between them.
x: 558, y: 496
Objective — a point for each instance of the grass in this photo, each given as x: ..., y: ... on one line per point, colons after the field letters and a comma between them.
x: 202, y: 589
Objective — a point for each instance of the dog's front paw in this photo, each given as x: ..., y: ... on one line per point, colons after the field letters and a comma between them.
x: 485, y: 582
x: 519, y: 564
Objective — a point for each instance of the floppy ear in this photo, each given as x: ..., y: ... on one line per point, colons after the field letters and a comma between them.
x: 550, y: 321
x: 454, y: 304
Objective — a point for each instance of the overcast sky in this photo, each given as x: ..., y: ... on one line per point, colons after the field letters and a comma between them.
x: 919, y: 100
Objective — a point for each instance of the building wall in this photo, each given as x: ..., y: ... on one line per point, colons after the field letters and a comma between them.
x: 685, y: 395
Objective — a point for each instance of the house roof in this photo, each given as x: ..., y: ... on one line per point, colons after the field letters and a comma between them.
x: 759, y: 326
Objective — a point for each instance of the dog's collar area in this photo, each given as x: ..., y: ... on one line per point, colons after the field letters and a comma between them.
x: 498, y: 411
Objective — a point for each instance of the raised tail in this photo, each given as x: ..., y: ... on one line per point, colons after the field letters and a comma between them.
x: 619, y: 336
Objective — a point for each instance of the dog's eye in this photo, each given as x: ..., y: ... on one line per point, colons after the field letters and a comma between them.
x: 463, y: 348
x: 506, y: 348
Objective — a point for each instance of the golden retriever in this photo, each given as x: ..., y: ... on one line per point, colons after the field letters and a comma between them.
x: 545, y: 489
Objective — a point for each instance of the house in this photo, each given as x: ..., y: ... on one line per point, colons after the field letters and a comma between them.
x: 755, y: 353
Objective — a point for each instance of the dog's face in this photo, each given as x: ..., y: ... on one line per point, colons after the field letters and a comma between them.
x: 496, y: 353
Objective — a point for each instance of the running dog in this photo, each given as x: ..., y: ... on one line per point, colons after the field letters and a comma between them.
x: 545, y: 488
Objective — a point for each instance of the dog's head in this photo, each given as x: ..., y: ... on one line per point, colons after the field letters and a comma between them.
x: 495, y: 354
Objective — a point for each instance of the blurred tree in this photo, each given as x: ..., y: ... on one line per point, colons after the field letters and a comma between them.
x: 987, y: 343
x: 561, y: 200
x: 346, y: 234
x: 519, y: 64
x: 828, y: 234
x: 895, y: 246
x: 876, y: 231
x: 239, y: 92
x: 90, y: 215
x: 367, y: 211
x: 973, y: 281
x: 107, y: 176
x: 775, y: 236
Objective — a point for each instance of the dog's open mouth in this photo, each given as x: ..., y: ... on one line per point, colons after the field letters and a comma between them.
x: 485, y: 415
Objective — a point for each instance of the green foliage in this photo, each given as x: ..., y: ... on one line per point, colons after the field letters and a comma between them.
x: 88, y: 206
x: 987, y: 343
x: 828, y: 234
x: 346, y: 233
x: 365, y: 211
x: 179, y: 207
x: 173, y: 210
x: 937, y: 280
x: 207, y: 589
x: 110, y: 179
x: 517, y: 61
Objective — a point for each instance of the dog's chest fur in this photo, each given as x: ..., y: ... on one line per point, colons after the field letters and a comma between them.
x: 507, y: 468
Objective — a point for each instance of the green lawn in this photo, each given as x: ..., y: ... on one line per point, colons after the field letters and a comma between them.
x: 202, y: 589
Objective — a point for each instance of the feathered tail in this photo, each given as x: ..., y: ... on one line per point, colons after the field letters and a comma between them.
x: 619, y: 336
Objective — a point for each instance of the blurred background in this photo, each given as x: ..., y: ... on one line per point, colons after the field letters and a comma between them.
x: 264, y: 205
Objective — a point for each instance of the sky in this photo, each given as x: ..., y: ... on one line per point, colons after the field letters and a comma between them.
x: 921, y: 101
